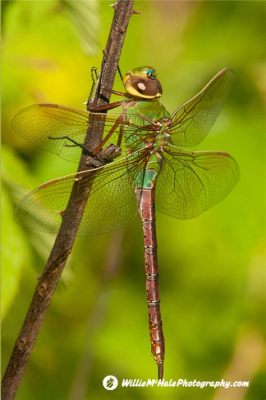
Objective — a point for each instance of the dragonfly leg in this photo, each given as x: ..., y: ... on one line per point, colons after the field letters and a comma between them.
x: 74, y: 143
x: 120, y: 74
x: 94, y: 74
x: 120, y: 136
x: 109, y: 134
x: 108, y: 154
x: 112, y: 91
x: 104, y: 107
x: 94, y: 78
x: 104, y: 156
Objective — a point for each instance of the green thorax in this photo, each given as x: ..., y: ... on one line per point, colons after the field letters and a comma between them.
x: 140, y: 113
x: 151, y: 109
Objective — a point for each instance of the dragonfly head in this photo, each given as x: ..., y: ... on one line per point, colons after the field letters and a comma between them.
x: 142, y: 83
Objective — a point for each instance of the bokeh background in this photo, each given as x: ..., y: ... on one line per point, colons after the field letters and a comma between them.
x: 212, y: 267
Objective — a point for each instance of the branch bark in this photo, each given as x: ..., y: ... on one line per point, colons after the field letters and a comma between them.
x: 123, y: 9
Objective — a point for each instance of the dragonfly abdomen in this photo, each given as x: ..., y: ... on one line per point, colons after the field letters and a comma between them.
x: 146, y: 201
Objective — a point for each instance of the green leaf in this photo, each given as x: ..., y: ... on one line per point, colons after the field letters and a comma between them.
x: 15, y: 254
x: 85, y: 18
x: 18, y: 181
x: 14, y: 170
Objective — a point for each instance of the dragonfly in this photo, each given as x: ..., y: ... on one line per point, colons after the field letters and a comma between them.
x: 141, y: 164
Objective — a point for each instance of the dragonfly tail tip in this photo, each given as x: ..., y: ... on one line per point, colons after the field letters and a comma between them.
x: 160, y: 370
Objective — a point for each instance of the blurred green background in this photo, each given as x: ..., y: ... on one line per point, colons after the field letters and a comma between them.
x: 212, y: 267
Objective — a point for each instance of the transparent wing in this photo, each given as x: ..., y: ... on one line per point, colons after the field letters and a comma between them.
x: 192, y: 182
x: 191, y: 122
x: 111, y: 201
x: 41, y: 124
x: 39, y: 121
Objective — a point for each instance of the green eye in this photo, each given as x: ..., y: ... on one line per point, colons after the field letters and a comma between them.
x: 150, y: 73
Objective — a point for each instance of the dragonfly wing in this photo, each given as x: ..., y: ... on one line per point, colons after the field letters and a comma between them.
x: 192, y: 182
x: 39, y: 121
x: 191, y: 122
x: 111, y: 202
x: 41, y: 124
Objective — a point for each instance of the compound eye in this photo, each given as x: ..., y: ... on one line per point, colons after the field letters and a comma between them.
x: 150, y: 73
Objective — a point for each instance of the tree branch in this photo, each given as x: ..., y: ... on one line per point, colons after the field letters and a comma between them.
x: 71, y: 217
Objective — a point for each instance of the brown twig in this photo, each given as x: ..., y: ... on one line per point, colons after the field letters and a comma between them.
x: 71, y: 217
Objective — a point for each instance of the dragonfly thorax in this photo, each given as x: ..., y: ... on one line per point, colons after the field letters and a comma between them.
x: 161, y: 134
x: 154, y: 118
x: 162, y: 139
